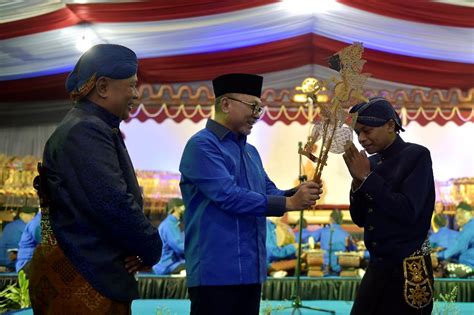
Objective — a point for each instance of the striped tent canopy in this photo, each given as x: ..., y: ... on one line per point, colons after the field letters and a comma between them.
x: 420, y: 54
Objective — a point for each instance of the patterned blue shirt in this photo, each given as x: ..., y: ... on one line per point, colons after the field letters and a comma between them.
x: 275, y: 252
x: 227, y: 195
x: 332, y: 239
x: 30, y: 238
x: 9, y: 240
x: 444, y: 237
x: 463, y: 246
x: 172, y: 253
x: 96, y: 210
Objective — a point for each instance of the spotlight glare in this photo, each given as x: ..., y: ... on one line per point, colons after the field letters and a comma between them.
x: 83, y: 44
x: 309, y: 6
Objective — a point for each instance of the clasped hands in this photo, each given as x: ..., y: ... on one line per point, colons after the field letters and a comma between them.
x: 357, y: 163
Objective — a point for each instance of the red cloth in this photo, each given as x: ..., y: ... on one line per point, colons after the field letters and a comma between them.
x: 422, y: 11
x: 274, y: 56
x: 140, y: 11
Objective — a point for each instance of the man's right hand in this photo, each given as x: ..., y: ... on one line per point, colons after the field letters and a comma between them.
x: 305, y: 196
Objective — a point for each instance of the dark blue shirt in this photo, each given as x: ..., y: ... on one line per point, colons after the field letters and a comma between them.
x: 395, y: 203
x: 96, y: 212
x: 227, y: 195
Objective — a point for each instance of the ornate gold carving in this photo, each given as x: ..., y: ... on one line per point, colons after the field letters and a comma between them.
x: 300, y: 114
x: 418, y: 289
x: 156, y: 95
x: 413, y: 105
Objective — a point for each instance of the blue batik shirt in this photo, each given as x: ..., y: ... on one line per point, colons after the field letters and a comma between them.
x: 332, y: 239
x: 172, y: 252
x: 10, y: 238
x: 30, y: 238
x: 463, y: 246
x: 444, y: 237
x: 227, y: 195
x: 275, y: 252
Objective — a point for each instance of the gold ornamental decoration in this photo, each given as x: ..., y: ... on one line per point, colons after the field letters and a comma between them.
x: 417, y: 289
x: 184, y: 101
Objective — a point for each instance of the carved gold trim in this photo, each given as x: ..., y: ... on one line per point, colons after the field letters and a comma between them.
x: 156, y: 95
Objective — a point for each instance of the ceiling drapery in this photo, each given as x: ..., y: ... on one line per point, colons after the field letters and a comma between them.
x: 275, y: 56
x: 433, y: 12
x: 409, y: 46
x: 196, y: 40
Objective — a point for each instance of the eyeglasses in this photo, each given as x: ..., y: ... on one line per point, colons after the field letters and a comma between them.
x: 257, y: 109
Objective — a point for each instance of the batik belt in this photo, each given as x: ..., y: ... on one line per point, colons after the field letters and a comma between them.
x: 47, y: 235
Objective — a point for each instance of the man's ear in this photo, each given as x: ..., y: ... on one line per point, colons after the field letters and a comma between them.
x: 225, y: 105
x: 102, y: 85
x: 391, y: 126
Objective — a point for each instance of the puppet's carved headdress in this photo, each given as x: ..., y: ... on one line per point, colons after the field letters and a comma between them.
x: 335, y: 125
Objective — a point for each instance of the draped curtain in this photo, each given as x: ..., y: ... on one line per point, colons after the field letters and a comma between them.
x: 433, y: 12
x: 23, y: 141
x: 176, y: 44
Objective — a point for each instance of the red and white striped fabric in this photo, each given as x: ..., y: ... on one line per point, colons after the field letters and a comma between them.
x: 408, y: 44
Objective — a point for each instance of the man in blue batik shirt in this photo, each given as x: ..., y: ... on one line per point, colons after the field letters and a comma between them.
x: 30, y: 238
x: 463, y: 246
x: 274, y: 251
x: 333, y: 239
x: 392, y: 198
x: 227, y: 195
x: 11, y: 236
x: 444, y: 237
x: 172, y: 253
